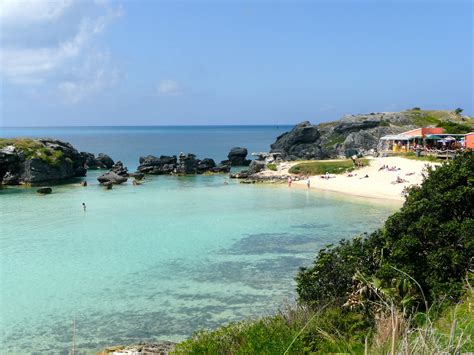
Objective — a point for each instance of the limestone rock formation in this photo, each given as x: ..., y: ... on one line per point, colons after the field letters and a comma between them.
x: 238, y: 157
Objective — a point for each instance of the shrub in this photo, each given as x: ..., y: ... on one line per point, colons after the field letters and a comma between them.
x: 430, y: 239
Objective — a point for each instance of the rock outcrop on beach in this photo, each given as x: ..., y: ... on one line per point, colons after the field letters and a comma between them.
x: 185, y: 164
x: 238, y: 157
x: 32, y: 161
x: 355, y: 134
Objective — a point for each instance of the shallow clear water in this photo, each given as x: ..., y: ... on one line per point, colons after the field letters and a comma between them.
x: 157, y: 261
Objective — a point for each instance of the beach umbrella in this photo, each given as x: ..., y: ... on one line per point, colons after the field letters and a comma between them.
x: 449, y: 138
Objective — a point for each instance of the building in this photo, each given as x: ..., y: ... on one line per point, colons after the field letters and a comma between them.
x: 427, y: 141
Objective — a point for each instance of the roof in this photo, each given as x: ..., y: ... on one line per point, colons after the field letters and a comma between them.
x: 398, y: 137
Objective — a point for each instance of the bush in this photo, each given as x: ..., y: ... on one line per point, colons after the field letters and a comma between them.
x: 455, y: 128
x: 430, y: 239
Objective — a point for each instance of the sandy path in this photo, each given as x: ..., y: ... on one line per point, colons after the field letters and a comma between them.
x: 379, y: 183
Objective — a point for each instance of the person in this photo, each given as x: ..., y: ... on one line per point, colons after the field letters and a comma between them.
x: 308, y: 183
x: 289, y: 181
x: 84, y: 206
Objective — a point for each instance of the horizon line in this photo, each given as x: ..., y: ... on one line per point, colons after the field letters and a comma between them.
x: 197, y: 125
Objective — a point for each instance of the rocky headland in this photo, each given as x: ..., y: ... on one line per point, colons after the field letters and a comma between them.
x: 359, y: 134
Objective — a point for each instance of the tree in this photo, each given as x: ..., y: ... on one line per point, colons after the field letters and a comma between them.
x: 458, y: 111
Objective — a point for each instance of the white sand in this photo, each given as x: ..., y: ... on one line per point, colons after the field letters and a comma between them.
x: 378, y: 184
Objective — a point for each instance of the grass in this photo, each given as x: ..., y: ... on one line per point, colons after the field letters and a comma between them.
x: 320, y: 167
x: 33, y: 149
x: 272, y: 167
x: 335, y: 329
x: 412, y: 155
x: 441, y: 118
x: 333, y: 139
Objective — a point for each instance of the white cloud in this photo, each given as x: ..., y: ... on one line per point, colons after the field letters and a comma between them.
x: 17, y: 12
x: 50, y: 63
x: 168, y: 88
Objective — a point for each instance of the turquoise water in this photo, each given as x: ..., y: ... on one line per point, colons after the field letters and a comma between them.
x: 157, y: 261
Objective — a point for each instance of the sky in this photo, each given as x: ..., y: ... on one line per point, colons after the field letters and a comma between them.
x: 103, y: 62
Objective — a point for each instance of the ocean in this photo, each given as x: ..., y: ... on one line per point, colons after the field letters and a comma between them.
x: 160, y: 260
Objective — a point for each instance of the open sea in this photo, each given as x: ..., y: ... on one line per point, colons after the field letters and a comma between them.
x: 160, y: 260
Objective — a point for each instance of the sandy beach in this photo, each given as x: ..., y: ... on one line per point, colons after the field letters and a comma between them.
x: 378, y: 184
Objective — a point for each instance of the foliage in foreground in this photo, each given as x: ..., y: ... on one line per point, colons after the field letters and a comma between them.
x: 320, y: 167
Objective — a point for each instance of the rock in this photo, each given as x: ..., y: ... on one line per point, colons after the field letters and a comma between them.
x: 157, y: 166
x: 44, y: 190
x: 302, y: 142
x: 33, y: 161
x: 11, y: 178
x: 237, y: 157
x: 187, y: 164
x: 205, y: 165
x: 104, y: 161
x: 83, y: 183
x: 119, y: 169
x: 256, y: 166
x: 137, y: 175
x: 108, y: 185
x: 111, y: 177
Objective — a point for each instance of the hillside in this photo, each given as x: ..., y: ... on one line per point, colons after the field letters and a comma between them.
x: 361, y: 132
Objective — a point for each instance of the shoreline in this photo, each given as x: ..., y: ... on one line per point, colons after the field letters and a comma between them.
x: 379, y: 185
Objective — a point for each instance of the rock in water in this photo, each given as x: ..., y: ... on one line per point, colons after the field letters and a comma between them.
x: 108, y: 185
x: 104, y: 161
x: 111, y: 177
x: 44, y: 190
x: 83, y: 183
x: 237, y: 157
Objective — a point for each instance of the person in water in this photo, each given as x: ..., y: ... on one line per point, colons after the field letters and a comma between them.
x: 308, y: 183
x: 84, y: 206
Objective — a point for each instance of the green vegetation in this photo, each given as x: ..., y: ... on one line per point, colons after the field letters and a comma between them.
x: 334, y: 139
x: 403, y: 289
x: 439, y: 118
x: 33, y: 149
x: 458, y: 111
x: 272, y: 166
x: 319, y: 167
x: 455, y: 128
x: 412, y: 155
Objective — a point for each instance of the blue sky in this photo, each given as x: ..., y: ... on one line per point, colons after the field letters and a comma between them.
x: 230, y: 62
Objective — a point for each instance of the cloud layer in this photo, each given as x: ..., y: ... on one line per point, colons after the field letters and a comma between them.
x: 55, y: 45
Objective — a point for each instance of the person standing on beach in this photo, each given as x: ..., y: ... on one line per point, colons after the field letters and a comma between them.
x: 308, y: 183
x: 290, y: 180
x: 84, y: 206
